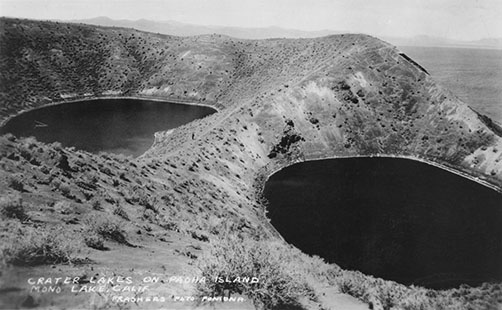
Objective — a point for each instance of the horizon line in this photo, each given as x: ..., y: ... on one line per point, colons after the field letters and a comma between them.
x: 453, y: 41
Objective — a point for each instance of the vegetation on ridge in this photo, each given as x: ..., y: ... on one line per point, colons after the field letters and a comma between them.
x: 344, y: 95
x: 289, y: 277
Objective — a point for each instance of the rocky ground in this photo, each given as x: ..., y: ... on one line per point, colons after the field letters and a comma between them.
x: 280, y: 101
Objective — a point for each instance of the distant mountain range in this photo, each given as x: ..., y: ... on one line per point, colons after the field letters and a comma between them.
x: 183, y: 29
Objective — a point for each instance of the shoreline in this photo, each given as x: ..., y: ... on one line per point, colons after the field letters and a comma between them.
x: 453, y: 170
x: 113, y: 97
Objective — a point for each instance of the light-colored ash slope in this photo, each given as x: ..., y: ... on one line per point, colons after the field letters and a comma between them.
x: 280, y: 101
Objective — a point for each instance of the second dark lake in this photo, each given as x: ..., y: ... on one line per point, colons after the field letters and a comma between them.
x: 123, y: 126
x: 397, y: 219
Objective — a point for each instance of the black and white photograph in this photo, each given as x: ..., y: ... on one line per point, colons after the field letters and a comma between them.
x: 251, y: 154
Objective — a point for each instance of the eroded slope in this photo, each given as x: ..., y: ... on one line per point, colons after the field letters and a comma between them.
x: 279, y: 101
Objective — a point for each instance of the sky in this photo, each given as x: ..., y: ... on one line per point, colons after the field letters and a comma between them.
x: 454, y: 19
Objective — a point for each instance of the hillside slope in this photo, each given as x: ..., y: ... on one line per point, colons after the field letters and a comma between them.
x: 279, y: 101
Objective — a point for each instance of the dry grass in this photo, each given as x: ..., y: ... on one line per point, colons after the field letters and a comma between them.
x: 382, y: 294
x: 38, y: 248
x: 281, y: 282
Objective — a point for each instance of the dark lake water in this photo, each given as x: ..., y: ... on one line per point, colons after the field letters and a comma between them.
x: 123, y: 126
x: 398, y: 219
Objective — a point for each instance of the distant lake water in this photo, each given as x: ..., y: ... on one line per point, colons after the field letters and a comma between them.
x: 122, y: 126
x: 473, y: 75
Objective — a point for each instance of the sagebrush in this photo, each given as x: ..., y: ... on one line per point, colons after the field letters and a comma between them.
x: 281, y: 281
x: 39, y: 247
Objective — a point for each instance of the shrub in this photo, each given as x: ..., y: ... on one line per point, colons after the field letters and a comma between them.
x: 281, y: 281
x: 95, y: 241
x: 87, y: 195
x: 106, y: 227
x: 63, y: 207
x: 147, y: 202
x: 119, y: 211
x: 65, y: 190
x: 11, y: 206
x: 96, y: 205
x: 163, y: 221
x: 10, y: 137
x: 15, y: 182
x: 150, y: 216
x: 354, y: 284
x: 38, y: 248
x: 44, y: 169
x: 110, y: 199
